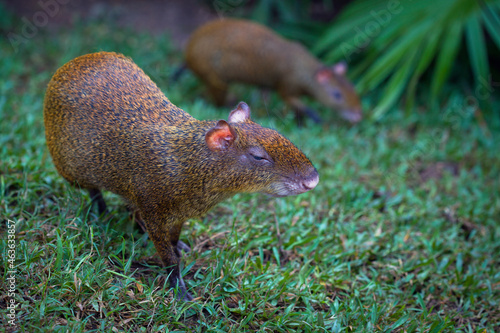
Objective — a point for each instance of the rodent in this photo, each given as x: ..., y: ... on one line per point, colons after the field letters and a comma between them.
x: 109, y: 127
x: 232, y: 50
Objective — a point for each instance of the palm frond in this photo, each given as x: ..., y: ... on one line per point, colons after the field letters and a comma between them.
x: 394, y: 46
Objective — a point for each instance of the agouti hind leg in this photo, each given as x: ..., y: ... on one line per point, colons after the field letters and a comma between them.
x: 179, y: 245
x: 97, y: 198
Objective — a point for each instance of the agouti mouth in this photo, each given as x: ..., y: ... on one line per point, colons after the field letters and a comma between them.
x: 351, y: 116
x: 295, y: 187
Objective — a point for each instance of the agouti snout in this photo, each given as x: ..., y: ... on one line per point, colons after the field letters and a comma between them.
x: 229, y: 50
x: 109, y: 127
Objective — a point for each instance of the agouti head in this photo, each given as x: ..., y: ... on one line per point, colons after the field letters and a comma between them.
x: 263, y: 160
x: 337, y: 92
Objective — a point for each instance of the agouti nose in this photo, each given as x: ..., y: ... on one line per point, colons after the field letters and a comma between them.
x: 311, y: 181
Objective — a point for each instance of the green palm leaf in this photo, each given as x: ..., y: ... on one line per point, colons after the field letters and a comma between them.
x: 396, y: 85
x: 477, y: 51
x: 492, y: 21
x: 388, y: 62
x: 449, y: 49
x: 428, y: 32
x: 427, y: 54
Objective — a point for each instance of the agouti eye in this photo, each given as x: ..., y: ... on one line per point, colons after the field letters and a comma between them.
x: 259, y: 158
x: 337, y: 95
x: 259, y: 155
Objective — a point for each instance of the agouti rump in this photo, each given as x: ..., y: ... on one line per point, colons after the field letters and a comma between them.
x: 109, y: 127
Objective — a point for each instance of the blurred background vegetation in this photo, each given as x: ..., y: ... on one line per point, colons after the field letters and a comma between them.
x: 401, y: 53
x: 408, y: 48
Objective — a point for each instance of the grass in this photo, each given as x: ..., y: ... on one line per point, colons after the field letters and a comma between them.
x: 402, y: 233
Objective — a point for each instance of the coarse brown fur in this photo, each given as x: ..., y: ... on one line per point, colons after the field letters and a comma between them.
x: 230, y: 50
x: 109, y: 127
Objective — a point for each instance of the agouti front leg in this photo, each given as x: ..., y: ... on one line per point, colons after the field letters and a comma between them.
x: 301, y: 109
x: 160, y: 232
x: 179, y: 246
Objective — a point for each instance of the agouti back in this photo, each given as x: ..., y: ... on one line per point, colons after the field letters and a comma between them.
x: 109, y: 127
x: 230, y: 50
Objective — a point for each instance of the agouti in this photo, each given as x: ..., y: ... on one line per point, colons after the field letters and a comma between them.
x: 109, y: 127
x: 230, y: 50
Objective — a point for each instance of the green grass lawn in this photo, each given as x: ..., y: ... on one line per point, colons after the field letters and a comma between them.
x: 402, y: 234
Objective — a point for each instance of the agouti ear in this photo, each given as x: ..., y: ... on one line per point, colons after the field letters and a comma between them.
x: 323, y: 75
x: 240, y: 114
x: 220, y: 137
x: 340, y: 68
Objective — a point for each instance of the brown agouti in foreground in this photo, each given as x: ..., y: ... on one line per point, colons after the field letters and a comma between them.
x: 229, y: 50
x: 109, y: 127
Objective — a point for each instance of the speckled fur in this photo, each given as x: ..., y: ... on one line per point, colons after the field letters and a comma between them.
x: 109, y: 127
x: 230, y: 50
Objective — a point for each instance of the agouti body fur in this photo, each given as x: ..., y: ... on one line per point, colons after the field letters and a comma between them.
x: 109, y: 127
x: 230, y: 50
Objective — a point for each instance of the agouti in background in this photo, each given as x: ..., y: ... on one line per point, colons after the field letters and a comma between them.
x: 225, y: 51
x: 400, y: 234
